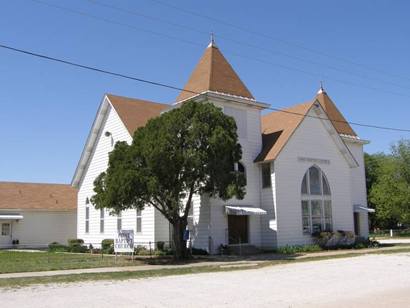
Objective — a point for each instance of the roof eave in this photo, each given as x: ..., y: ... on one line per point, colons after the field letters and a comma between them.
x: 91, y: 141
x: 224, y: 97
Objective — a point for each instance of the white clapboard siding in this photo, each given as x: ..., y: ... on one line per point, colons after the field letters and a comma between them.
x: 312, y: 140
x: 251, y: 143
x: 358, y: 185
x: 98, y: 164
x: 38, y: 228
x: 268, y: 221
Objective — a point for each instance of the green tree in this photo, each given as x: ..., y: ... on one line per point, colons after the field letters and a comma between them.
x: 185, y: 151
x: 391, y: 192
x: 373, y: 166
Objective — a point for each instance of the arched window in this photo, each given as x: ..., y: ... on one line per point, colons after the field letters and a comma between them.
x: 316, y: 202
x: 241, y: 169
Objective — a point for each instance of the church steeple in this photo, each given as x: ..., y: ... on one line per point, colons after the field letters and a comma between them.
x: 214, y: 73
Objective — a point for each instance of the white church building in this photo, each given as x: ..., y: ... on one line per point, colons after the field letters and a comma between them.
x: 304, y: 168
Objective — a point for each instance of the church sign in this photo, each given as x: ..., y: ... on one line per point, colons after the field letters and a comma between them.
x: 124, y: 242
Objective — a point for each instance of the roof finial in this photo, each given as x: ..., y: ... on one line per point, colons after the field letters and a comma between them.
x: 321, y: 89
x: 212, y: 43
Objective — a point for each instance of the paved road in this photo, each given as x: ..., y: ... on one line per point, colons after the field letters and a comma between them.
x: 370, y: 281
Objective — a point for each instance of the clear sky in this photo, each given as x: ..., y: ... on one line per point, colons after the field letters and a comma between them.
x: 360, y: 49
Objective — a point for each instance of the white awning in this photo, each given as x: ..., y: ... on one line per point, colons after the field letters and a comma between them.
x: 243, y: 210
x: 10, y: 216
x: 362, y: 209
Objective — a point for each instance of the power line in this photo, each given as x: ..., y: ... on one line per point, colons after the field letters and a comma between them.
x: 289, y: 68
x: 159, y: 84
x: 266, y: 36
x: 244, y: 43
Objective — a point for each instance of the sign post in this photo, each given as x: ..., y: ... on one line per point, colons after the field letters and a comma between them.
x: 124, y: 242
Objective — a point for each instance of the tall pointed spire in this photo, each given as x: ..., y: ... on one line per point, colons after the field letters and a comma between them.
x: 321, y: 89
x: 213, y: 73
x: 212, y: 42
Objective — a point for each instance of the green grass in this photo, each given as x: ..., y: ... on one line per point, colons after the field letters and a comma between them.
x: 13, y: 261
x: 21, y: 282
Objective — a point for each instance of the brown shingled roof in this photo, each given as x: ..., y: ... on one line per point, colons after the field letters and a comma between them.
x: 214, y: 73
x: 135, y: 113
x: 37, y: 196
x: 277, y: 128
x: 341, y: 126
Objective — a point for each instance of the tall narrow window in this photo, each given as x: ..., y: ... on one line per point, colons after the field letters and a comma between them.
x: 119, y: 221
x: 316, y: 202
x: 102, y: 216
x: 87, y: 219
x: 190, y: 217
x: 240, y: 167
x: 139, y: 221
x: 266, y: 176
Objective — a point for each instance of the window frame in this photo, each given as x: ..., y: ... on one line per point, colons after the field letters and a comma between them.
x: 87, y: 219
x: 138, y: 221
x: 8, y: 233
x: 119, y: 221
x: 102, y: 220
x: 322, y: 199
x: 266, y: 167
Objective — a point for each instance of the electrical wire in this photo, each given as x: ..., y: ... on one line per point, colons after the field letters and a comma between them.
x: 160, y: 84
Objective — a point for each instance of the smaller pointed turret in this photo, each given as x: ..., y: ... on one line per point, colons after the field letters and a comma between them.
x: 338, y: 120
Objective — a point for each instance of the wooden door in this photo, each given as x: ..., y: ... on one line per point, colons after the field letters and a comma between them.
x: 356, y: 217
x: 237, y: 229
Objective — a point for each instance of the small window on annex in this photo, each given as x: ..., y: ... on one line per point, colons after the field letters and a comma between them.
x: 316, y: 202
x: 266, y: 176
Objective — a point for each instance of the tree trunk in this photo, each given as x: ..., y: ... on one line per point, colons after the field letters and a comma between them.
x: 180, y: 249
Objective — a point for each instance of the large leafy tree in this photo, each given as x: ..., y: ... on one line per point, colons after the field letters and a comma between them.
x: 185, y: 151
x: 391, y: 191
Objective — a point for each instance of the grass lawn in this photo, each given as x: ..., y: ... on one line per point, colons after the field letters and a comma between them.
x: 19, y: 261
x: 21, y: 282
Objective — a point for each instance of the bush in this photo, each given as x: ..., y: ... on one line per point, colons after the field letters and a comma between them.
x: 141, y: 250
x: 107, y: 246
x: 57, y: 247
x: 199, y: 252
x: 298, y: 249
x: 77, y: 248
x: 335, y: 240
x: 76, y: 245
x: 75, y: 241
x: 161, y: 246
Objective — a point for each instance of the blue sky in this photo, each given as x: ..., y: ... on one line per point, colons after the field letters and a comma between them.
x: 360, y: 49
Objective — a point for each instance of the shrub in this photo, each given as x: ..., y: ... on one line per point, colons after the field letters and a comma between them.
x: 335, y: 240
x: 161, y: 246
x: 107, y: 246
x: 77, y: 248
x: 298, y: 249
x: 199, y: 252
x: 141, y: 250
x: 75, y: 241
x: 76, y: 245
x: 57, y: 247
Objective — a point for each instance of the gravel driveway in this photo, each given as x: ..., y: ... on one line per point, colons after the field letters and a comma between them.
x: 371, y: 281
